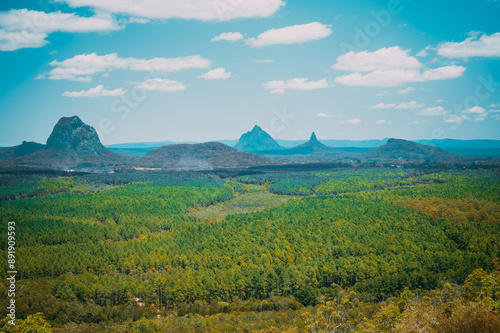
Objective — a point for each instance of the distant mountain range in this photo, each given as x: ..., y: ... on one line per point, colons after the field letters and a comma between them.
x: 480, y: 148
x: 74, y: 145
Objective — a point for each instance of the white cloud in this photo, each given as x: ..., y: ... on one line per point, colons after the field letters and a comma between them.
x: 455, y: 118
x: 11, y: 41
x: 204, y: 10
x: 424, y: 53
x: 381, y: 122
x: 382, y: 106
x: 95, y: 92
x: 404, y: 105
x: 81, y: 67
x: 291, y: 35
x: 162, y: 85
x: 397, y: 77
x: 384, y: 59
x: 432, y: 111
x: 439, y: 100
x: 23, y: 28
x: 417, y: 122
x: 230, y: 36
x: 216, y: 74
x: 494, y: 105
x: 323, y: 115
x: 494, y: 111
x: 484, y: 46
x: 264, y: 61
x: 476, y: 110
x: 350, y: 121
x: 405, y: 91
x: 279, y: 87
x: 388, y: 67
x: 383, y: 93
x: 409, y: 105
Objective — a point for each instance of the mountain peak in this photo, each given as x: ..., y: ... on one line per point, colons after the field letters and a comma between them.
x: 75, y: 120
x: 313, y: 137
x: 72, y: 134
x: 256, y: 140
x: 256, y: 128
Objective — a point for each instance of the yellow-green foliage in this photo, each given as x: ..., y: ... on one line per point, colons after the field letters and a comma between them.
x: 253, y: 199
x: 455, y: 210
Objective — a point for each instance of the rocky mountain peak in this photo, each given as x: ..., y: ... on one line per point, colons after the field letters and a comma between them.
x: 313, y: 137
x: 256, y: 140
x: 72, y: 134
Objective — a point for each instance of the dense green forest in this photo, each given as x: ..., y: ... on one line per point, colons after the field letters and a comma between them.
x: 347, y: 250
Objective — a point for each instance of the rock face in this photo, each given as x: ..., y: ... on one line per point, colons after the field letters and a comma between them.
x: 203, y: 156
x: 403, y: 150
x: 72, y: 134
x: 256, y: 140
x: 313, y: 146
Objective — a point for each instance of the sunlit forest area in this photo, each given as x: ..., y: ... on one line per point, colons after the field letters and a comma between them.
x: 346, y: 250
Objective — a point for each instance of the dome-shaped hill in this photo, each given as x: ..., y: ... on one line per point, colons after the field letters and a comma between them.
x: 398, y: 149
x: 204, y: 156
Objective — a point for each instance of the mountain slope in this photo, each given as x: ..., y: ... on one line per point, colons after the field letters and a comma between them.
x: 203, y: 156
x: 26, y: 148
x: 71, y: 145
x: 256, y: 140
x: 398, y: 149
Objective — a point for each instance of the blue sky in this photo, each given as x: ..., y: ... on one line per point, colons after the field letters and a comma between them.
x: 198, y: 70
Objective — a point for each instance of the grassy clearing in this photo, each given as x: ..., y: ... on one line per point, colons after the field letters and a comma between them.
x: 254, y: 199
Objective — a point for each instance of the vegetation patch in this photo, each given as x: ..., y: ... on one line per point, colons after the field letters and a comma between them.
x: 253, y: 199
x: 470, y: 210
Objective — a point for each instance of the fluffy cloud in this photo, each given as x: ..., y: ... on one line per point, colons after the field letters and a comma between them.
x: 291, y: 35
x: 381, y: 122
x: 230, y: 36
x: 404, y: 105
x: 15, y: 40
x: 23, y: 28
x: 81, y: 67
x: 409, y: 105
x: 162, y: 85
x: 388, y: 67
x: 323, y: 115
x: 216, y: 74
x: 476, y: 110
x: 387, y: 58
x: 398, y: 77
x: 279, y: 87
x: 350, y: 121
x: 455, y: 118
x: 484, y: 46
x: 204, y: 10
x: 432, y: 111
x: 383, y: 106
x: 405, y: 91
x: 95, y: 92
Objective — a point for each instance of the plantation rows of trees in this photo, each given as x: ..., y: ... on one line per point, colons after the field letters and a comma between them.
x: 108, y: 250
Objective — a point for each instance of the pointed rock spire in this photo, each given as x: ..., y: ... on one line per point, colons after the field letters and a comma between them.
x: 313, y: 137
